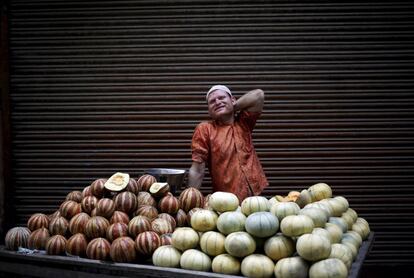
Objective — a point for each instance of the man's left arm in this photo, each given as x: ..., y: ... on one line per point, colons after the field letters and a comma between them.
x: 251, y: 101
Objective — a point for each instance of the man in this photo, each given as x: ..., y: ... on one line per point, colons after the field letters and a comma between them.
x: 225, y: 144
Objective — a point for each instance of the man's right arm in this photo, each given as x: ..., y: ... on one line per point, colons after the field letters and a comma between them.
x: 196, y: 174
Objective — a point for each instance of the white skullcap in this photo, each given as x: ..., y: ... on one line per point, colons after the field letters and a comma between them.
x: 218, y: 87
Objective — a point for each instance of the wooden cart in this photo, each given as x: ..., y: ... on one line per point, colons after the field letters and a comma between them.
x: 14, y: 264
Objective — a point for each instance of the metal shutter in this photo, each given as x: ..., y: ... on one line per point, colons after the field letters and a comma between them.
x: 105, y: 86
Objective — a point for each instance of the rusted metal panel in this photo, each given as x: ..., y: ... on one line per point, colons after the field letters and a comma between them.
x: 105, y: 86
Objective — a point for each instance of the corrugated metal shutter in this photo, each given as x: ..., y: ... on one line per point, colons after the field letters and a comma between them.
x: 105, y: 86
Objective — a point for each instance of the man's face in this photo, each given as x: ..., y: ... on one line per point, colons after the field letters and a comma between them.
x: 220, y: 105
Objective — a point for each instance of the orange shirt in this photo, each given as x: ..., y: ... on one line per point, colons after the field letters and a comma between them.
x: 230, y: 156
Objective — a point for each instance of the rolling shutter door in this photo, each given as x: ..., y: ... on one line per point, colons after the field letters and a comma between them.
x: 105, y: 86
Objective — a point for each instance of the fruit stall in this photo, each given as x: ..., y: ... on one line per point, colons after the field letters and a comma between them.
x: 122, y: 226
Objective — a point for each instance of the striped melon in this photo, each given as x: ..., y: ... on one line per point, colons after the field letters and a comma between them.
x: 149, y: 211
x: 87, y: 191
x: 37, y: 221
x: 116, y: 230
x: 170, y: 219
x: 145, y: 198
x: 105, y: 207
x: 58, y: 226
x: 98, y: 187
x: 74, y: 196
x: 98, y: 249
x: 76, y: 245
x: 17, y: 237
x: 78, y: 223
x: 38, y: 239
x: 68, y: 209
x: 181, y: 218
x: 147, y: 242
x: 126, y: 201
x: 169, y: 204
x: 191, y: 198
x: 96, y: 227
x: 161, y: 226
x: 145, y: 181
x: 56, y: 245
x: 88, y: 203
x: 119, y: 217
x: 139, y: 224
x: 122, y: 250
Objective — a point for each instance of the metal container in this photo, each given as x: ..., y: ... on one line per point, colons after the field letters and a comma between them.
x: 174, y: 177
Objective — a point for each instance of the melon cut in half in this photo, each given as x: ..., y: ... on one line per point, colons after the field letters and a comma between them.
x: 117, y: 182
x: 159, y: 189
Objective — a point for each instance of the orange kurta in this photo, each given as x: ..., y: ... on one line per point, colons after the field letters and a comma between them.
x: 230, y: 156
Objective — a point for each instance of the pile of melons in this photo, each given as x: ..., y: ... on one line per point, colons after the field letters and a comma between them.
x: 304, y: 234
x: 120, y: 219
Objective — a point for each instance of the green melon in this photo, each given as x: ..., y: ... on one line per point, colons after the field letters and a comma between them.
x: 328, y: 268
x: 313, y: 247
x: 262, y: 224
x: 292, y: 267
x: 240, y: 244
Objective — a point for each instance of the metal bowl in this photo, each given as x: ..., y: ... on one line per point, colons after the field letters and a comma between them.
x: 174, y: 177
